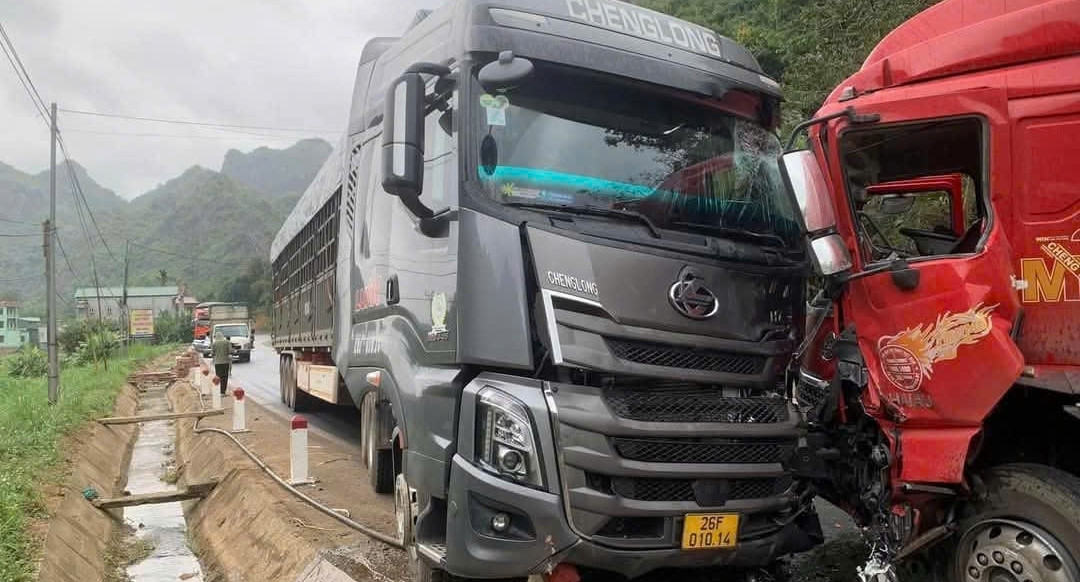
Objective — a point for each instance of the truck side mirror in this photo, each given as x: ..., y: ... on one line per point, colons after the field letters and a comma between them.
x: 810, y: 193
x: 403, y: 138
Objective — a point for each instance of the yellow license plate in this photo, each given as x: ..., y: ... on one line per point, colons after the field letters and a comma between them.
x: 703, y: 531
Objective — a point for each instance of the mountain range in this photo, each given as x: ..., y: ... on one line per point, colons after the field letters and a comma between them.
x: 200, y: 228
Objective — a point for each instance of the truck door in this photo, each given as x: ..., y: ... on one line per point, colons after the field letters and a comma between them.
x: 934, y: 327
x: 1046, y: 188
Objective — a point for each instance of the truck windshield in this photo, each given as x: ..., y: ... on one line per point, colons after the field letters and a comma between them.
x: 565, y: 139
x: 231, y: 331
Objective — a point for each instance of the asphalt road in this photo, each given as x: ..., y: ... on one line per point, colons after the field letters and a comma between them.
x: 259, y: 379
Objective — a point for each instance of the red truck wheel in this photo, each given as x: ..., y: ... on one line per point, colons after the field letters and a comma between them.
x: 1025, y: 526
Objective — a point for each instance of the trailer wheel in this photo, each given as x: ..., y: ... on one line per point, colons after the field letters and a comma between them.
x: 1023, y: 526
x: 283, y: 368
x: 379, y: 462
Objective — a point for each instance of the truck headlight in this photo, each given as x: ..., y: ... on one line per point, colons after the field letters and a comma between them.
x: 504, y: 438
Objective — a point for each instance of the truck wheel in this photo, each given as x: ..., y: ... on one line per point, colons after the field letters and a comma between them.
x: 283, y: 373
x: 379, y: 463
x: 1023, y: 527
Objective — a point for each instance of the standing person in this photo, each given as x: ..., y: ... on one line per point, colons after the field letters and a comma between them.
x: 222, y: 352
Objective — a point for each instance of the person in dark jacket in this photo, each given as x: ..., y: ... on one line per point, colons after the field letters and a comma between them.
x: 222, y: 352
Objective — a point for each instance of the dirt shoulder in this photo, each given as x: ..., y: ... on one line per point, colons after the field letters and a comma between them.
x: 252, y: 529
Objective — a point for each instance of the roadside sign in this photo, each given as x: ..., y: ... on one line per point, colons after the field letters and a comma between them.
x: 142, y: 323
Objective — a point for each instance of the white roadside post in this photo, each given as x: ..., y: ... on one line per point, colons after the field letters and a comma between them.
x: 215, y: 394
x: 239, y: 415
x: 298, y: 452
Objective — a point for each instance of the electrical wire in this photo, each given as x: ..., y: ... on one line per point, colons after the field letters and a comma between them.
x: 12, y: 55
x: 198, y: 123
x: 366, y: 530
x: 26, y: 222
x: 63, y: 253
x: 20, y: 234
x: 178, y: 136
x: 77, y: 186
x: 170, y: 253
x: 17, y: 279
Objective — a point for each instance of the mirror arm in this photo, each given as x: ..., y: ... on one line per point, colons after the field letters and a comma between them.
x: 848, y: 112
x: 429, y: 69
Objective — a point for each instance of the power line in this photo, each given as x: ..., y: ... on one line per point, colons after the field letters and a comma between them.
x: 232, y: 264
x: 214, y: 137
x: 17, y: 279
x: 20, y: 234
x: 78, y: 189
x: 64, y: 254
x: 199, y: 123
x: 26, y: 222
x: 21, y: 72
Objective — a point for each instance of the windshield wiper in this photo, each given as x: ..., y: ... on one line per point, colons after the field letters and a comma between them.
x: 735, y: 233
x: 593, y: 211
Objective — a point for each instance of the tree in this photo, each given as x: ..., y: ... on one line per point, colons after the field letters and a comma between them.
x: 163, y: 276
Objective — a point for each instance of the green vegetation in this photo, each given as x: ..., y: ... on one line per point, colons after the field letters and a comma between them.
x: 809, y: 46
x: 170, y: 328
x: 30, y: 436
x: 196, y: 230
x: 28, y: 362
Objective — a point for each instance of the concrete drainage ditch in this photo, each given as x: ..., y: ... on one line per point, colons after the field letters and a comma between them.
x: 159, y: 527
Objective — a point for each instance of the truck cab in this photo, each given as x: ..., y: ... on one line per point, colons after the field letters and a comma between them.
x: 555, y: 265
x: 943, y: 207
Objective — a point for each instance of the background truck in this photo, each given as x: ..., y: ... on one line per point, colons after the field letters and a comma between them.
x: 555, y: 265
x: 941, y: 193
x: 231, y: 319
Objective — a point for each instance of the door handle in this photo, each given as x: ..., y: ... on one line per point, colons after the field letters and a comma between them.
x: 393, y: 293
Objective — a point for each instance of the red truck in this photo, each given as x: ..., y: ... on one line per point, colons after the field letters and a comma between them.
x: 941, y: 365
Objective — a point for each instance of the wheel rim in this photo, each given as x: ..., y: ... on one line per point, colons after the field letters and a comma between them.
x: 403, y: 511
x: 368, y: 419
x: 1001, y: 550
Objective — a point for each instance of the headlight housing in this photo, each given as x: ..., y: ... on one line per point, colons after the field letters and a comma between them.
x: 505, y: 439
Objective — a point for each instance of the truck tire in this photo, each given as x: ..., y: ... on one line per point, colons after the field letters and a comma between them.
x: 379, y: 462
x: 296, y: 399
x: 1023, y: 525
x: 283, y: 368
x: 420, y: 570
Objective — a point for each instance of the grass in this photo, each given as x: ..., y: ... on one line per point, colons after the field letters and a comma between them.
x: 31, y: 432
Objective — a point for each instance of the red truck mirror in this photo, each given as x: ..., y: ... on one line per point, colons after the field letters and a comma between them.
x: 807, y: 186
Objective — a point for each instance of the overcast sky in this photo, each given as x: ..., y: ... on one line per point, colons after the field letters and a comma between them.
x: 280, y: 63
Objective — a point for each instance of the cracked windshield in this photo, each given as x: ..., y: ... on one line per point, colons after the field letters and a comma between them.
x: 685, y: 166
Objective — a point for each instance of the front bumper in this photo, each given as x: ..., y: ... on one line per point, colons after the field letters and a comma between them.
x: 608, y: 505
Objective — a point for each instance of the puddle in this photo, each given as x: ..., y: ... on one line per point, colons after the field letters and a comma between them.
x: 161, y: 525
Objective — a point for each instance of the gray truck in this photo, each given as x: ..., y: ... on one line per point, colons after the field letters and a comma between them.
x: 554, y: 263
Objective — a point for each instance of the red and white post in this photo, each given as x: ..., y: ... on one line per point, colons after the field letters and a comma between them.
x: 239, y: 415
x: 215, y: 393
x: 298, y: 452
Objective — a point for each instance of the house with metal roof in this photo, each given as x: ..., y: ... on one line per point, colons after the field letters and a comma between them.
x: 90, y: 302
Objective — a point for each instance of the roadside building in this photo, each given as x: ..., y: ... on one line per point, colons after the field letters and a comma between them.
x: 12, y: 334
x: 33, y: 329
x: 157, y: 299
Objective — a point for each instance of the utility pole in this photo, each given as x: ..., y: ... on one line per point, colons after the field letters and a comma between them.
x: 124, y: 318
x: 50, y: 265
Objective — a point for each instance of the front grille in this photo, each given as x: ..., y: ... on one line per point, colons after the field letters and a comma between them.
x: 693, y: 404
x: 706, y: 492
x: 670, y: 356
x: 653, y: 489
x: 633, y: 528
x: 702, y: 450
